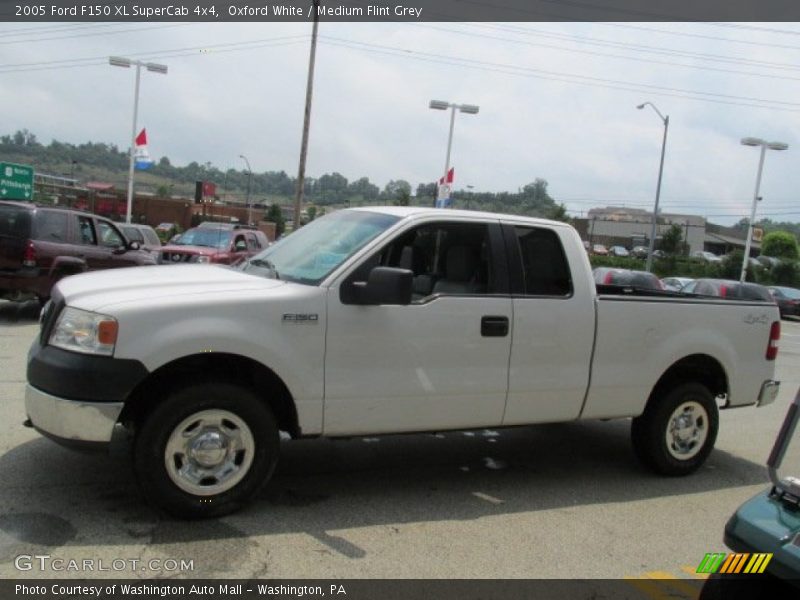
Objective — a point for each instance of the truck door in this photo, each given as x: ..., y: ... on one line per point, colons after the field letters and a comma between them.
x: 440, y: 362
x: 551, y: 345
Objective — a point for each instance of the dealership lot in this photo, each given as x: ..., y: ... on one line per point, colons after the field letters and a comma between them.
x: 563, y: 500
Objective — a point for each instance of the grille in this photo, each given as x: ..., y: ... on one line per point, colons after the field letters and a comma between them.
x: 171, y: 258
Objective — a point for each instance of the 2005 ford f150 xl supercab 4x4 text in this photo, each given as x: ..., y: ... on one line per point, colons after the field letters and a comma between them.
x: 378, y: 321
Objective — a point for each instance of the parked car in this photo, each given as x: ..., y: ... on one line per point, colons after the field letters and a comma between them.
x: 144, y: 234
x: 639, y: 251
x: 599, y: 250
x: 220, y: 245
x: 226, y: 225
x: 788, y: 300
x: 725, y: 288
x: 766, y: 529
x: 618, y: 251
x: 676, y: 284
x: 708, y: 257
x: 383, y: 320
x: 39, y: 245
x: 627, y: 277
x: 768, y: 261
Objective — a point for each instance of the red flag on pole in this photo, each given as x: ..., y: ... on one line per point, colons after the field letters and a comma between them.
x: 141, y: 139
x: 450, y: 176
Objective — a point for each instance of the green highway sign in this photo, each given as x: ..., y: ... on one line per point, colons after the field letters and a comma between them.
x: 16, y: 182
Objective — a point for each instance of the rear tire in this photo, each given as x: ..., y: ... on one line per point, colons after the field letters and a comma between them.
x: 677, y: 430
x: 206, y: 450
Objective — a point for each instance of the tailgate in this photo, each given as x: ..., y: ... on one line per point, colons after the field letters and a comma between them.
x: 15, y: 229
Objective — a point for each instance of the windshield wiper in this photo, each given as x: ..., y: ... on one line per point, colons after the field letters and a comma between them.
x: 264, y: 262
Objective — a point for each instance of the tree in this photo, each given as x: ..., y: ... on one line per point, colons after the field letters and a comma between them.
x: 780, y: 244
x: 397, y: 191
x: 311, y: 211
x: 672, y: 240
x: 275, y: 215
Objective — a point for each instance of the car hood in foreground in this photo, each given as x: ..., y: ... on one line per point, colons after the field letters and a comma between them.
x: 93, y: 291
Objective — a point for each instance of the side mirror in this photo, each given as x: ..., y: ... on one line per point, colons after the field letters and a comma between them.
x: 385, y: 285
x: 134, y: 246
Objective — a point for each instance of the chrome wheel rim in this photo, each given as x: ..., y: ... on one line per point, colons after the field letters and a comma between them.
x: 209, y: 452
x: 687, y: 430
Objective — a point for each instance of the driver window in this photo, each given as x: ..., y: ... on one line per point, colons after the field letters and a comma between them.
x: 445, y: 258
x: 108, y: 235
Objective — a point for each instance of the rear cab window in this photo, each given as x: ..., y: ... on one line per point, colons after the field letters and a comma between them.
x: 545, y: 270
x: 15, y: 221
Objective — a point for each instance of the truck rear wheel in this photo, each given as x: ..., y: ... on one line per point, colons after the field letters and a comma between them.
x: 206, y: 450
x: 677, y: 430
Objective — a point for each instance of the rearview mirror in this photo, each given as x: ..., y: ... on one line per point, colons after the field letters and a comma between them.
x: 384, y: 285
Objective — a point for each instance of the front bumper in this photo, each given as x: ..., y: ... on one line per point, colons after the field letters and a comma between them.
x: 71, y: 421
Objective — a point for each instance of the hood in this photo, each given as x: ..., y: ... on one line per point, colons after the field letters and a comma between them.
x: 92, y: 291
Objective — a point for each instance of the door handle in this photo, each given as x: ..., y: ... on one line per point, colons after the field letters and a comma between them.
x: 494, y: 326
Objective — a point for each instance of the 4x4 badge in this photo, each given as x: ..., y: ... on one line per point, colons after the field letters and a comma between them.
x: 301, y: 318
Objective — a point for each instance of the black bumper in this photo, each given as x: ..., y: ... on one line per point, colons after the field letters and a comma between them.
x: 76, y: 376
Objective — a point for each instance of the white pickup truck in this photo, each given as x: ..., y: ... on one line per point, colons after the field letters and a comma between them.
x: 378, y: 321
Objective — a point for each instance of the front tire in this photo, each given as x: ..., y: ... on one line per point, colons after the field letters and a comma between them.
x: 206, y: 450
x: 677, y: 430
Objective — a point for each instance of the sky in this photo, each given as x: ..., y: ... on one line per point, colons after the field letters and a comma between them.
x: 557, y: 101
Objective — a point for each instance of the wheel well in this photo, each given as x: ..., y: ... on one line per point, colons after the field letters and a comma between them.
x: 214, y: 366
x: 697, y: 367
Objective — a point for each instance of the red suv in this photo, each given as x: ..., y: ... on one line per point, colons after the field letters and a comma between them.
x: 210, y: 244
x: 40, y: 244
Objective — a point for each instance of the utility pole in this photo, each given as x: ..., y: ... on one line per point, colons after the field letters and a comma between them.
x: 301, y: 171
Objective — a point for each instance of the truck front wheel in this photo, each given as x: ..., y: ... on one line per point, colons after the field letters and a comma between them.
x: 677, y: 430
x: 206, y: 450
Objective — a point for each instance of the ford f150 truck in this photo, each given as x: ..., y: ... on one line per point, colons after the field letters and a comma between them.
x: 380, y: 321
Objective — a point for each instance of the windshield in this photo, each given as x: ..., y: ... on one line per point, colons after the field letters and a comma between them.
x: 311, y: 253
x: 791, y: 293
x: 211, y: 238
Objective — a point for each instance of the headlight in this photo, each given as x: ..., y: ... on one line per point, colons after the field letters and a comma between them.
x: 87, y: 332
x: 200, y: 258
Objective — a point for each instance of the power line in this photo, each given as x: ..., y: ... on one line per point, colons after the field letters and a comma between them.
x: 85, y: 35
x: 608, y: 55
x: 166, y: 53
x: 565, y: 77
x: 638, y: 47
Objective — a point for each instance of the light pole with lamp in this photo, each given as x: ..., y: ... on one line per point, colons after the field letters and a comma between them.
x: 652, y: 244
x: 751, y: 141
x: 120, y: 61
x: 249, y: 177
x: 469, y: 109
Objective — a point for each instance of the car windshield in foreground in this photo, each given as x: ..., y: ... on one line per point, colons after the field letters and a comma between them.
x: 790, y: 293
x: 211, y: 238
x: 311, y: 253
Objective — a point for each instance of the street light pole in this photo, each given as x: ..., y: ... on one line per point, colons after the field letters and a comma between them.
x: 120, y: 61
x: 749, y: 141
x: 465, y: 108
x: 249, y: 177
x: 651, y: 246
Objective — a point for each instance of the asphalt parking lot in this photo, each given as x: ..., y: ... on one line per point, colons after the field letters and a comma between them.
x: 560, y: 501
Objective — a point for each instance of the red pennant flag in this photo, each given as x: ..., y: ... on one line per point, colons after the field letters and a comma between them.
x: 450, y: 176
x: 141, y: 139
